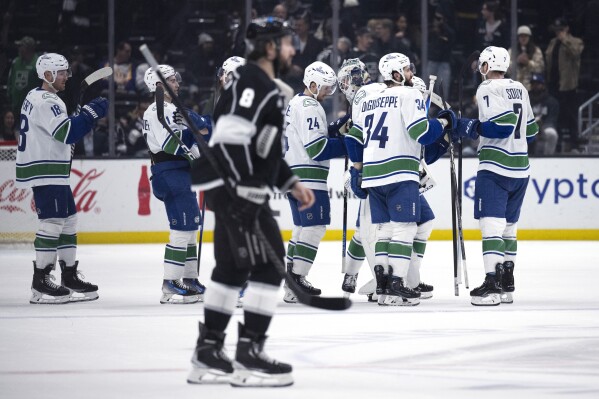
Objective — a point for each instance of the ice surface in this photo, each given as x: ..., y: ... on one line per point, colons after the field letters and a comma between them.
x: 127, y: 345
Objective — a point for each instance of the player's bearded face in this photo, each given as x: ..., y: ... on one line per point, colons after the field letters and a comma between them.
x: 286, y: 53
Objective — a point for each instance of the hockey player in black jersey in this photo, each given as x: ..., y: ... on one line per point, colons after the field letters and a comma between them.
x: 247, y: 143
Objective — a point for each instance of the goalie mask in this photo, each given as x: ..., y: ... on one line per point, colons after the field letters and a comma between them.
x: 151, y: 78
x: 324, y: 77
x: 497, y: 58
x: 395, y: 62
x: 230, y: 65
x: 52, y: 63
x: 351, y: 77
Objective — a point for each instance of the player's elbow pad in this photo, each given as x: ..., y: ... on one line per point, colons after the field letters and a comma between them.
x: 355, y: 149
x: 434, y: 151
x: 80, y: 126
x: 333, y: 149
x: 435, y: 130
x: 492, y: 130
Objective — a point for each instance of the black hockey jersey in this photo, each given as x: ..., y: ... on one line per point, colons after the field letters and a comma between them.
x: 247, y: 135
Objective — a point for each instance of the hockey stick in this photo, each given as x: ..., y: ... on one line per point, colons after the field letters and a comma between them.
x: 302, y: 297
x: 344, y: 234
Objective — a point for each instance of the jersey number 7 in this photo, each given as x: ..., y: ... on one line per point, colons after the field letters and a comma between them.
x: 380, y: 131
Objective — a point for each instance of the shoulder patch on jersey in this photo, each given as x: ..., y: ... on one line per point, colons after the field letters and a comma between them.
x: 359, y: 96
x: 49, y: 95
x: 310, y: 102
x: 485, y: 82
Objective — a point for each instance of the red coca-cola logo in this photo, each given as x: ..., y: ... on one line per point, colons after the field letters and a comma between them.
x: 14, y: 199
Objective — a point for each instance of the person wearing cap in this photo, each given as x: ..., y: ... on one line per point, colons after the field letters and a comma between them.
x: 563, y: 69
x: 22, y: 76
x: 529, y: 57
x: 546, y: 110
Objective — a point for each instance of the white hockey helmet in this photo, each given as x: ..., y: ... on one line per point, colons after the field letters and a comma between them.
x: 53, y: 63
x: 395, y: 62
x: 419, y: 84
x: 151, y: 78
x: 321, y: 74
x: 351, y: 76
x: 230, y: 65
x: 497, y: 58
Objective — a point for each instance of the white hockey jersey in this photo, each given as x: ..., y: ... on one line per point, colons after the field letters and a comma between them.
x: 157, y: 137
x: 43, y: 157
x: 356, y: 132
x: 506, y: 103
x: 392, y: 120
x: 305, y: 138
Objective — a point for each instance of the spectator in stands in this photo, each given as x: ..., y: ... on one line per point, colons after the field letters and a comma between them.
x: 563, y: 69
x: 546, y: 110
x: 280, y: 11
x: 136, y: 144
x: 307, y: 48
x: 386, y: 42
x: 492, y: 30
x: 22, y: 76
x: 405, y: 34
x: 363, y: 51
x: 203, y: 62
x: 529, y: 57
x: 440, y: 45
x: 343, y: 49
x: 9, y: 130
x: 124, y: 71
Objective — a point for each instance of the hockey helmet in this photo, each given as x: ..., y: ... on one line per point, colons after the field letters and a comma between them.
x: 395, y: 62
x: 53, y: 63
x: 230, y: 65
x: 321, y: 74
x: 497, y: 58
x: 351, y: 76
x: 151, y: 78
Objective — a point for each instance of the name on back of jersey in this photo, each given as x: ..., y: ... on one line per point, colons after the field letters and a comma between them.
x: 514, y: 94
x: 380, y: 102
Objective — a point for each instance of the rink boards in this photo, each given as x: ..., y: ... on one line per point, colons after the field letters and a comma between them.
x: 562, y: 202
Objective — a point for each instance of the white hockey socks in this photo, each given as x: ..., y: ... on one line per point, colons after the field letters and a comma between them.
x: 261, y: 298
x: 355, y: 255
x: 221, y: 298
x: 422, y: 235
x: 493, y: 245
x: 511, y: 242
x: 400, y: 247
x: 191, y: 260
x: 306, y: 248
x: 67, y: 242
x: 46, y: 241
x: 175, y: 254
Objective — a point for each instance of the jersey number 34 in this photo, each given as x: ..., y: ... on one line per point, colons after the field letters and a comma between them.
x: 378, y: 132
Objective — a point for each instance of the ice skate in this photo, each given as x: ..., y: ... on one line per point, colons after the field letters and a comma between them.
x: 381, y: 283
x: 426, y: 290
x: 196, y: 285
x: 349, y: 284
x: 210, y: 363
x: 175, y: 292
x: 253, y: 367
x: 43, y: 289
x: 507, y: 282
x: 489, y: 293
x: 81, y: 291
x: 397, y: 294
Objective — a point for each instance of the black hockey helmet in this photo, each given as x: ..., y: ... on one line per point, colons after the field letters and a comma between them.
x: 267, y: 28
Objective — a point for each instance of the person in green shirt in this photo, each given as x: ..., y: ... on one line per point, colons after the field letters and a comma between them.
x: 22, y: 76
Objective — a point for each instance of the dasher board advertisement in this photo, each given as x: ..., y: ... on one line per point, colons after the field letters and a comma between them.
x: 115, y: 202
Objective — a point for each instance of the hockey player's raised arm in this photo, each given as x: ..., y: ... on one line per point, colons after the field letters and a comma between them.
x: 71, y: 129
x: 420, y: 128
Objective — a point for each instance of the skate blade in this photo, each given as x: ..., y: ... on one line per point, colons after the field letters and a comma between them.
x: 208, y: 376
x: 426, y: 295
x: 83, y: 296
x: 38, y: 298
x: 253, y: 378
x: 507, y: 297
x: 399, y: 301
x: 179, y: 299
x: 346, y: 294
x: 489, y: 300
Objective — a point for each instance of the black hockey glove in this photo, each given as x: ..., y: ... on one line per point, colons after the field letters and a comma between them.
x: 246, y: 205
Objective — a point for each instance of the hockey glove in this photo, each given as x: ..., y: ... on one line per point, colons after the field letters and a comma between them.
x: 467, y: 128
x: 356, y: 183
x: 449, y: 116
x: 334, y: 127
x: 96, y: 108
x: 246, y: 205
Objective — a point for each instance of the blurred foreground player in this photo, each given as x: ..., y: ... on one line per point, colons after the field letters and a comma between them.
x: 247, y: 143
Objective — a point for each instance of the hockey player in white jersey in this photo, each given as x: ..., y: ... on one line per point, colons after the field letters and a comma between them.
x: 505, y: 126
x: 44, y: 164
x: 171, y: 183
x: 396, y: 126
x: 309, y: 147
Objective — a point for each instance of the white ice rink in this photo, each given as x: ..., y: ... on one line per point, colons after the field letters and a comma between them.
x: 127, y: 345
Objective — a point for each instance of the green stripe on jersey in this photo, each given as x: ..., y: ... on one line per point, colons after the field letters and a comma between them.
x: 500, y: 157
x: 316, y: 147
x: 306, y: 172
x: 172, y: 145
x: 532, y: 129
x: 418, y: 129
x: 356, y: 133
x: 379, y: 170
x: 45, y: 169
x: 62, y: 133
x: 507, y: 119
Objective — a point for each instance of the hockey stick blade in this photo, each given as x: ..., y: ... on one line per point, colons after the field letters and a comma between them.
x: 315, y: 301
x: 322, y: 303
x: 93, y: 78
